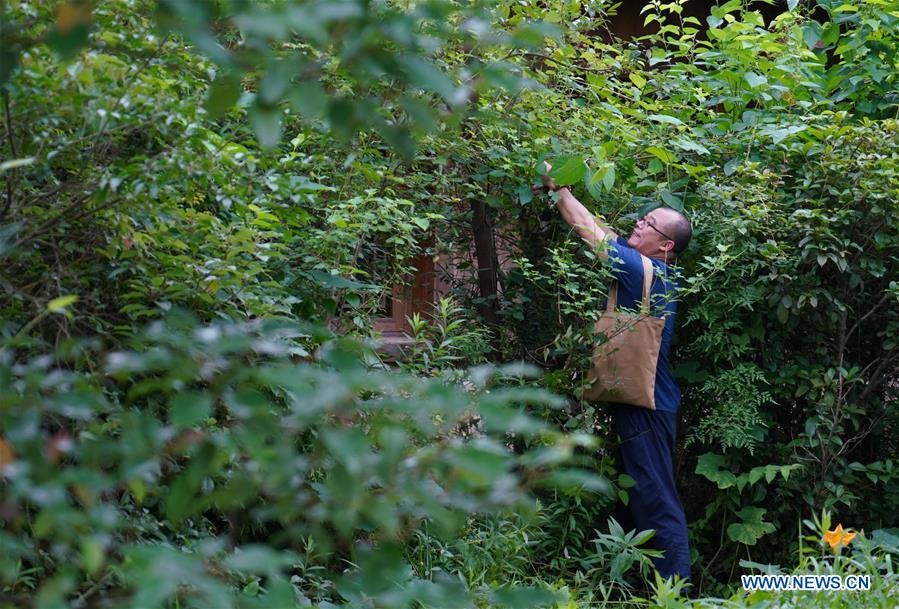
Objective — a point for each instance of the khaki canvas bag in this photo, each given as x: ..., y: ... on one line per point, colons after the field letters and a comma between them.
x: 625, y: 358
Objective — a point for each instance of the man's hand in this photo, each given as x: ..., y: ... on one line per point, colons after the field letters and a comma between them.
x: 548, y: 183
x: 577, y: 216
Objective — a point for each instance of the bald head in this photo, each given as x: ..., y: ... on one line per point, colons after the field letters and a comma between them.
x: 677, y: 227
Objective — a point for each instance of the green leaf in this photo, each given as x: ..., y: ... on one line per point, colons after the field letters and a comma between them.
x: 478, y: 467
x: 138, y: 489
x: 728, y: 7
x: 672, y: 200
x: 730, y: 167
x: 594, y: 182
x: 811, y: 33
x: 267, y: 125
x: 782, y: 313
x: 514, y: 597
x: 637, y: 80
x: 643, y: 537
x: 256, y: 558
x: 755, y: 474
x: 689, y: 145
x: 421, y: 114
x: 709, y: 465
x: 281, y: 593
x: 755, y: 80
x: 608, y: 180
x: 785, y: 471
x: 762, y: 567
x: 92, y: 553
x: 752, y: 528
x: 665, y: 118
x: 572, y: 481
x: 275, y: 80
x: 424, y: 74
x: 568, y: 171
x: 222, y: 94
x: 620, y: 564
x: 309, y: 99
x: 54, y: 592
x: 525, y: 194
x: 831, y: 33
x: 625, y: 481
x: 58, y: 305
x: 179, y: 499
x: 399, y: 138
x: 189, y: 408
x: 779, y: 135
x: 661, y: 154
x: 349, y: 447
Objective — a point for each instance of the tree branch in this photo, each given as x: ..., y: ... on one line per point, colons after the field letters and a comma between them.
x: 867, y: 315
x: 51, y: 222
x: 10, y: 138
x: 879, y: 374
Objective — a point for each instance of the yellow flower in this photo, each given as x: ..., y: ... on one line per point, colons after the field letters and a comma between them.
x: 838, y: 537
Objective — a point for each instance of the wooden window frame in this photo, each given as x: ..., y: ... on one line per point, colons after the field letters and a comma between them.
x: 418, y: 296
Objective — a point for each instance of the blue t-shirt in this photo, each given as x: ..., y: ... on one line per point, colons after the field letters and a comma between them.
x: 627, y: 268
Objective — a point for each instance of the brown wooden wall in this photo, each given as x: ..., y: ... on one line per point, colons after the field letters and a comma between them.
x: 628, y: 22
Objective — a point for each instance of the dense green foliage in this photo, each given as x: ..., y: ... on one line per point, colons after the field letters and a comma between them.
x: 191, y: 413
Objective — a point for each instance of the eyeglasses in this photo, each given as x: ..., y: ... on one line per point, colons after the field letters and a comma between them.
x: 647, y: 223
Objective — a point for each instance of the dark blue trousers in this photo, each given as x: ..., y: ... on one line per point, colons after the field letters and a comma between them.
x: 645, y: 453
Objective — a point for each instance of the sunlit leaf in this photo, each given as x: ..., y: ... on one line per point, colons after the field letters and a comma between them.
x: 661, y: 154
x: 60, y: 304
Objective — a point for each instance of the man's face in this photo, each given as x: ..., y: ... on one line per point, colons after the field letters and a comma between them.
x: 646, y: 237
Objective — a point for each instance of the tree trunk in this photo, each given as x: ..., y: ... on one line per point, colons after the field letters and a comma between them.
x: 486, y: 256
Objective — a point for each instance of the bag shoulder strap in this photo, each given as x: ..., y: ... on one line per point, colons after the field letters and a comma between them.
x: 612, y: 300
x: 647, y: 282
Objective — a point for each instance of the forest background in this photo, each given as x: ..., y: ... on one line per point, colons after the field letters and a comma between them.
x: 193, y: 412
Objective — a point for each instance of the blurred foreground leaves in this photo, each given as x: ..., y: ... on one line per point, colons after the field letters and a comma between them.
x: 159, y: 473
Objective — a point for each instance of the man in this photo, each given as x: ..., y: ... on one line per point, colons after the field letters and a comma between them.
x: 647, y: 436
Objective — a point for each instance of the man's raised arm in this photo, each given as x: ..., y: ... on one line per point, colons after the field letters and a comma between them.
x: 590, y: 229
